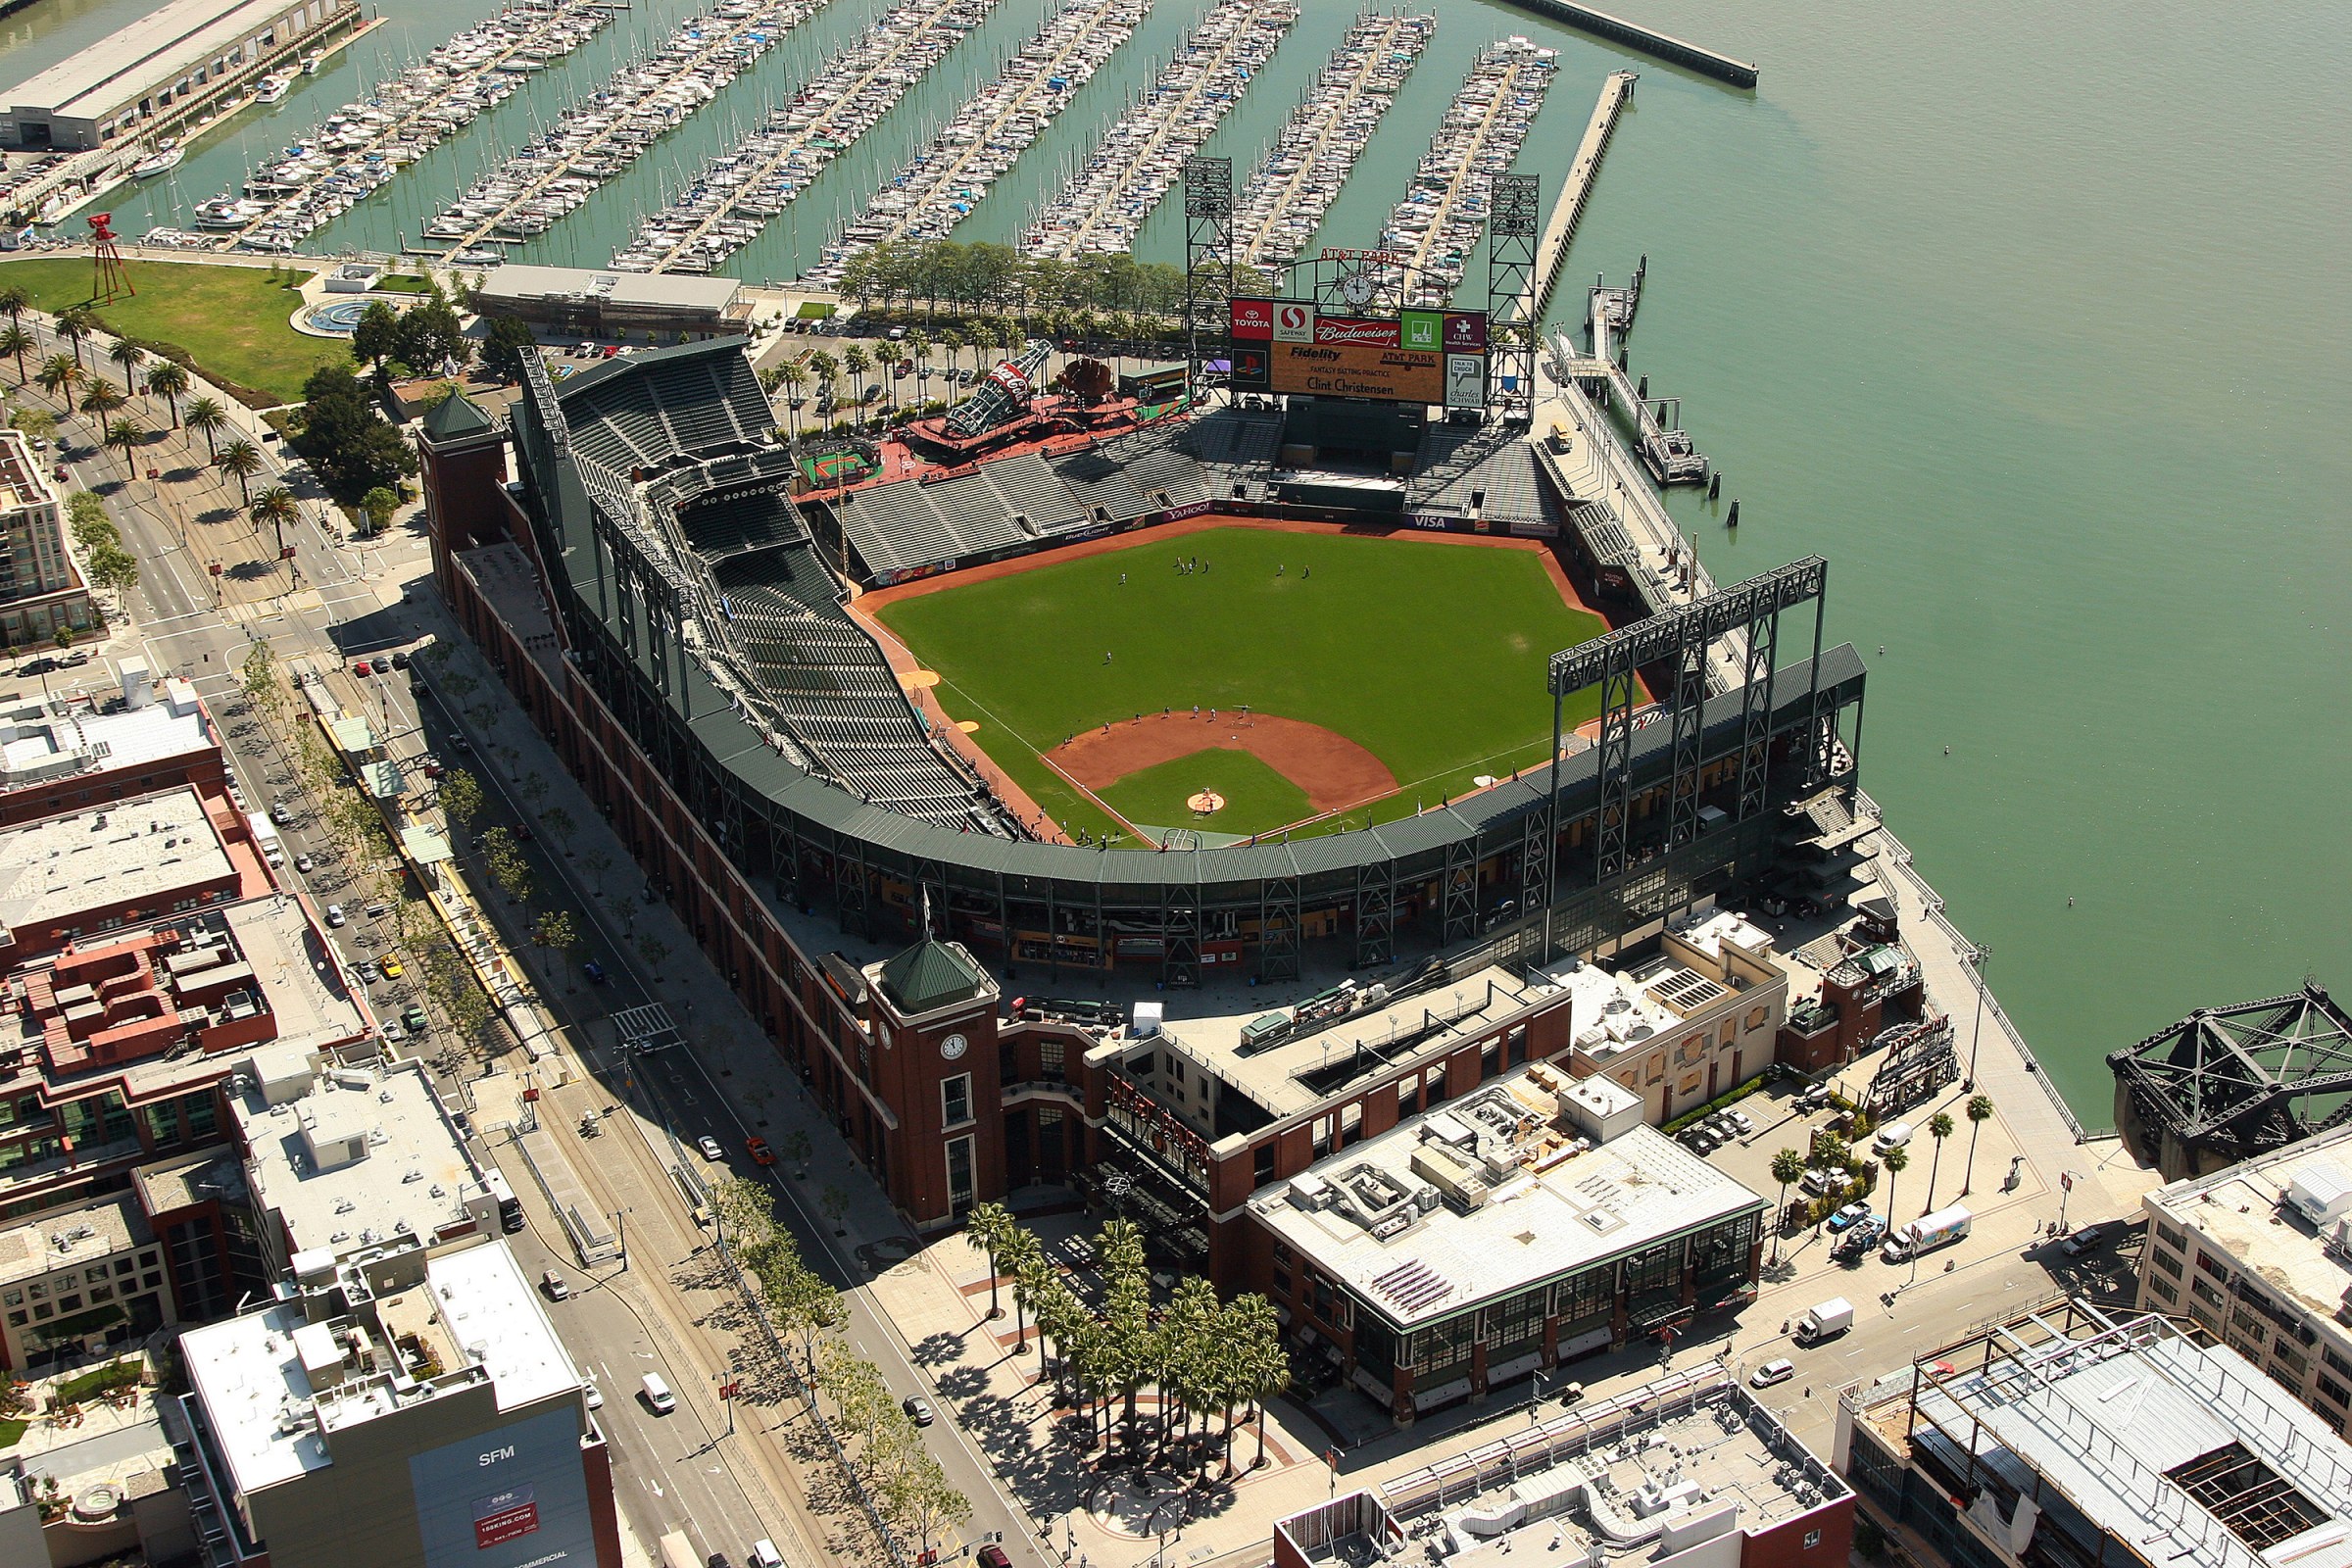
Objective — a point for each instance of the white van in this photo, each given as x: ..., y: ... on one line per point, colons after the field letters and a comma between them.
x: 766, y: 1555
x: 658, y: 1394
x: 1895, y: 1135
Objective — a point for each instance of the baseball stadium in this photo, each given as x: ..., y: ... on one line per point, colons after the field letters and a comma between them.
x: 1262, y: 685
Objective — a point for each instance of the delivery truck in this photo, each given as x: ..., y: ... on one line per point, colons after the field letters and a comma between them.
x: 1825, y: 1321
x: 1939, y: 1229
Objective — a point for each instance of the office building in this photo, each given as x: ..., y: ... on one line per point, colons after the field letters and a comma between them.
x: 65, y: 752
x: 41, y: 592
x: 2261, y: 1255
x: 2070, y: 1437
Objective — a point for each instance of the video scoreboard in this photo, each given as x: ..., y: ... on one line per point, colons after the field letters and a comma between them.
x: 1431, y: 358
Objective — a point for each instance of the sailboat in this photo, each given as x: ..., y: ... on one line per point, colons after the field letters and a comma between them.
x: 164, y: 159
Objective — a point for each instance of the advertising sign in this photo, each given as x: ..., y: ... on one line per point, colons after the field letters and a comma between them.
x: 1465, y: 381
x: 1294, y: 321
x: 1252, y: 321
x: 1250, y: 368
x: 1358, y: 331
x: 1346, y: 370
x: 516, y: 1497
x: 1465, y: 331
x: 1421, y: 330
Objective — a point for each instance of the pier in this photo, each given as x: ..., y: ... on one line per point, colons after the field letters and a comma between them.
x: 1284, y: 202
x: 528, y: 193
x: 1103, y: 207
x: 948, y: 177
x: 1433, y: 230
x: 1559, y: 231
x: 842, y: 101
x: 1648, y: 41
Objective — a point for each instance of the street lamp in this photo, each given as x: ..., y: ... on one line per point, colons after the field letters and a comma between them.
x: 1976, y: 964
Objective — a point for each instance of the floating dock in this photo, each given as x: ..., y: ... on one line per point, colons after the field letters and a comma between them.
x: 1282, y: 204
x: 843, y: 99
x: 1552, y: 253
x: 1648, y: 41
x: 1101, y: 208
x: 1435, y: 228
x: 954, y: 170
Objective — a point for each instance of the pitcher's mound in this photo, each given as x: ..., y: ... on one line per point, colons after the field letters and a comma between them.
x: 1206, y: 804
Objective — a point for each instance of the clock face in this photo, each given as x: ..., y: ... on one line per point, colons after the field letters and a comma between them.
x: 1357, y: 289
x: 953, y: 1046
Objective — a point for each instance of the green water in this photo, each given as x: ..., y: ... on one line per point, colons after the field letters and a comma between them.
x: 2031, y: 318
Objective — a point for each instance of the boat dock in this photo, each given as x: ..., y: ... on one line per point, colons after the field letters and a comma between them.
x: 1559, y: 231
x: 1666, y: 448
x: 597, y: 140
x: 944, y: 182
x: 1648, y: 41
x: 1284, y: 202
x: 358, y: 148
x: 1434, y: 230
x: 1101, y: 208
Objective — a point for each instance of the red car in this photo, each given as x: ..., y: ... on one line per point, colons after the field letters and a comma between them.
x: 761, y: 1155
x: 363, y: 667
x: 434, y: 769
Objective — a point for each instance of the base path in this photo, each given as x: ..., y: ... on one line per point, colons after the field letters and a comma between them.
x: 1335, y: 772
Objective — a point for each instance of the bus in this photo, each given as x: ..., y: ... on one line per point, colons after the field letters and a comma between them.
x: 510, y: 1207
x: 676, y: 1552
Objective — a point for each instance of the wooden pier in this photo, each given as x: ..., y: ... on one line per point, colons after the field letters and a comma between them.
x: 1551, y: 251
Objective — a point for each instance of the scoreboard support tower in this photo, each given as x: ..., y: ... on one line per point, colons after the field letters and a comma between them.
x: 1207, y: 257
x: 1511, y: 234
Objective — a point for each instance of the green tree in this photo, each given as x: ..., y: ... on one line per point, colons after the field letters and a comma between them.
x: 86, y: 518
x: 274, y: 507
x: 1979, y: 1111
x: 747, y: 1217
x: 462, y: 797
x: 100, y: 400
x: 125, y: 437
x: 75, y: 324
x: 378, y: 505
x: 128, y: 357
x: 376, y: 337
x: 169, y: 381
x: 209, y: 418
x: 58, y: 376
x: 430, y: 334
x: 1786, y: 1166
x: 1939, y: 1127
x: 988, y: 1224
x: 560, y: 931
x: 557, y: 821
x: 36, y: 423
x: 244, y: 460
x: 14, y: 299
x: 508, y: 341
x: 1896, y: 1161
x: 113, y: 566
x: 15, y: 344
x: 350, y: 446
x: 857, y: 362
x: 507, y: 866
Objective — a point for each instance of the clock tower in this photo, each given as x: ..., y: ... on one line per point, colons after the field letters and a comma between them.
x: 934, y: 1064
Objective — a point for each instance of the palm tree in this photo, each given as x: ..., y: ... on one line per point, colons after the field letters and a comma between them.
x: 102, y: 399
x: 988, y: 1224
x: 951, y: 340
x: 242, y: 459
x: 1939, y: 1127
x: 857, y: 362
x: 127, y: 435
x: 1979, y: 1111
x: 276, y: 507
x: 1789, y: 1165
x: 168, y: 382
x: 16, y: 300
x: 15, y: 343
x: 1265, y: 1366
x: 74, y: 326
x: 1896, y: 1160
x: 58, y: 374
x: 128, y: 357
x: 205, y: 414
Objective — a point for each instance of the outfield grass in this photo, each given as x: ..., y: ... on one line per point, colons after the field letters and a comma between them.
x: 1256, y: 798
x: 232, y: 319
x: 1429, y: 655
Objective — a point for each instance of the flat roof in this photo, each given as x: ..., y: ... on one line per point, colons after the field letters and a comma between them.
x: 677, y: 290
x: 2244, y: 1212
x: 2157, y: 1441
x: 315, y: 1003
x: 130, y: 852
x: 250, y: 1378
x: 495, y: 1315
x: 125, y: 66
x: 408, y: 1178
x: 19, y: 475
x: 88, y: 1231
x: 1488, y: 1195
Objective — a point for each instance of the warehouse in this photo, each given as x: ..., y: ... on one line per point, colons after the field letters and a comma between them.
x: 593, y: 304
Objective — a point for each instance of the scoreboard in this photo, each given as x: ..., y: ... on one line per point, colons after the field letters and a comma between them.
x: 1431, y: 357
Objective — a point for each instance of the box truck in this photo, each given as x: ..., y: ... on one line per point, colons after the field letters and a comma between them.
x: 1939, y: 1229
x: 1825, y: 1321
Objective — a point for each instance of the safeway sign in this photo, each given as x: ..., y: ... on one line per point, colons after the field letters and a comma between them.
x: 1294, y: 321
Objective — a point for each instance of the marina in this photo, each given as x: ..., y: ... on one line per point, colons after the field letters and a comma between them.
x: 599, y: 137
x: 1103, y: 207
x: 1432, y: 232
x: 735, y: 195
x: 935, y: 192
x: 1284, y: 202
x: 358, y: 149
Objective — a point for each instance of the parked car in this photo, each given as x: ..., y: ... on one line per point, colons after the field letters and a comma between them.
x: 1820, y: 1183
x: 761, y: 1153
x: 918, y: 1409
x: 2087, y: 1240
x: 1742, y: 1120
x: 303, y: 863
x: 1699, y: 1140
x: 362, y: 668
x: 392, y: 1034
x: 400, y: 661
x: 335, y: 916
x: 595, y: 972
x: 709, y: 1148
x: 1771, y: 1372
x: 415, y: 1020
x: 434, y: 768
x: 1850, y: 1214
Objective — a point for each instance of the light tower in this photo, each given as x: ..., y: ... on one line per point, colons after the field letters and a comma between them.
x: 113, y: 280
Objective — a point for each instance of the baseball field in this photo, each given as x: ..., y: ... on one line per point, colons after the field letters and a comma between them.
x: 1239, y: 679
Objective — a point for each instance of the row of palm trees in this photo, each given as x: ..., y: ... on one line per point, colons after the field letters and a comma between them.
x: 81, y: 386
x: 1830, y: 1153
x: 1208, y: 1359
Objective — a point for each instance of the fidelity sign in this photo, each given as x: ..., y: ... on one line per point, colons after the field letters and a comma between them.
x: 1350, y: 370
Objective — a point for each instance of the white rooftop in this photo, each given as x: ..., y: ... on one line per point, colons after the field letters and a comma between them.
x: 494, y: 1314
x: 116, y: 70
x: 362, y: 1157
x: 315, y: 1004
x: 128, y: 851
x: 42, y: 742
x: 87, y: 1232
x: 516, y: 281
x: 2286, y: 1216
x: 1488, y: 1195
x: 248, y: 1373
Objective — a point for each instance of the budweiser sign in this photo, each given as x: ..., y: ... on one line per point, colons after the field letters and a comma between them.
x: 1357, y: 330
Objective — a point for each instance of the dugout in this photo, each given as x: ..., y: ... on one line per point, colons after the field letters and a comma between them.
x: 1334, y: 432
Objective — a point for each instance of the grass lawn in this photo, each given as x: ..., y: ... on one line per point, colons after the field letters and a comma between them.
x: 1256, y: 798
x: 11, y: 1429
x: 114, y: 1374
x: 401, y: 284
x: 232, y: 319
x: 1429, y: 655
